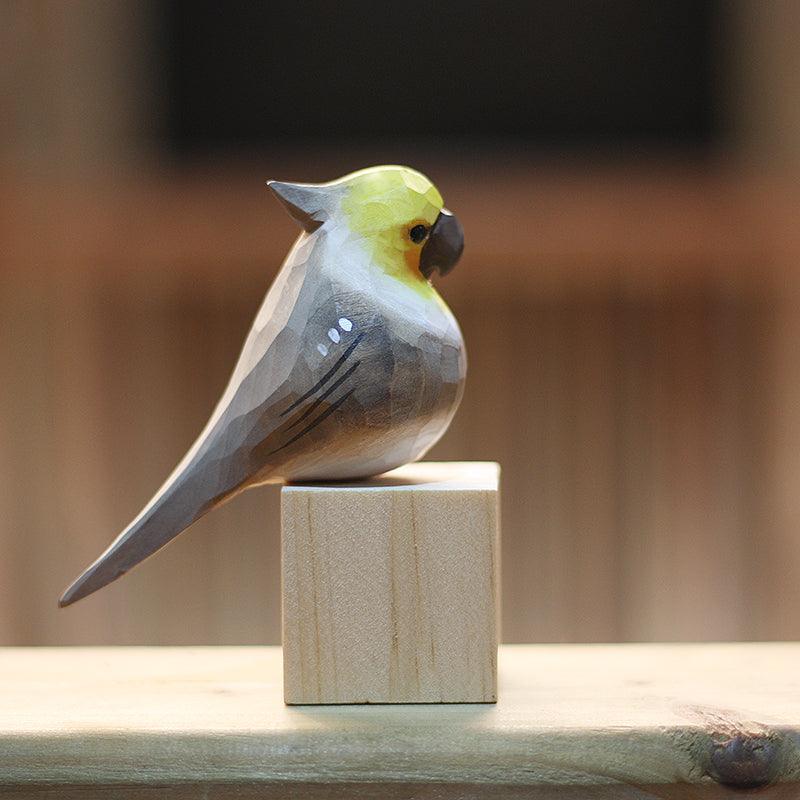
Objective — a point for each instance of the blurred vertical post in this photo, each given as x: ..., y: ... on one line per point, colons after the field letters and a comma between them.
x: 74, y: 78
x: 764, y: 103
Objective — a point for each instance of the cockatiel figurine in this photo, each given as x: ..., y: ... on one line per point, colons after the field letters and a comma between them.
x: 354, y: 364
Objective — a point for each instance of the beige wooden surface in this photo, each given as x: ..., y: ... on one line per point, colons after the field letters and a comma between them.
x: 573, y: 721
x: 390, y: 587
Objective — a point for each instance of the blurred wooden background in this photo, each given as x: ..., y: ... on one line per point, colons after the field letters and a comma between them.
x: 632, y: 328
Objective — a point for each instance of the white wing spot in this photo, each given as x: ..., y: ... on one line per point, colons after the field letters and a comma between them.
x: 345, y: 324
x: 333, y: 335
x: 322, y: 349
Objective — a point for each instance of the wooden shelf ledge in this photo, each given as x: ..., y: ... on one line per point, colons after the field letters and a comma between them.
x: 573, y: 721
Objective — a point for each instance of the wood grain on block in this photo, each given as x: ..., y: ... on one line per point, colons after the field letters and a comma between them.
x: 390, y: 587
x: 607, y: 722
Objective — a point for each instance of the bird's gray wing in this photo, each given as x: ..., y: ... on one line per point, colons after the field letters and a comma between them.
x: 269, y: 411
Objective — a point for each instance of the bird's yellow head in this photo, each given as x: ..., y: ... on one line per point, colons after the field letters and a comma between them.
x: 395, y: 211
x: 393, y: 208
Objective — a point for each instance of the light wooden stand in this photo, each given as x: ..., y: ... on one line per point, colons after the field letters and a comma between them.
x: 390, y: 587
x: 573, y: 722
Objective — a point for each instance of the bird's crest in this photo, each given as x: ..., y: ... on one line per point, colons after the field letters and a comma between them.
x: 306, y: 202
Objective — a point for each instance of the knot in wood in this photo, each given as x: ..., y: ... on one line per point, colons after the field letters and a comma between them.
x: 744, y: 761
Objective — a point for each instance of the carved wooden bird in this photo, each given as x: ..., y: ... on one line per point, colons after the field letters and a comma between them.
x: 354, y: 364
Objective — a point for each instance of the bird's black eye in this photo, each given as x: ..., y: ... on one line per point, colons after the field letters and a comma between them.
x: 418, y: 233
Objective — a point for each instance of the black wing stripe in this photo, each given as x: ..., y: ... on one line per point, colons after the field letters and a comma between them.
x: 327, y: 376
x: 329, y: 391
x: 313, y: 424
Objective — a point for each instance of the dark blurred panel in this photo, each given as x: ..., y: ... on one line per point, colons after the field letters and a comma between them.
x: 245, y: 74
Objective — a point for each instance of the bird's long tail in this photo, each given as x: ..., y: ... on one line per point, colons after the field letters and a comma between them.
x: 189, y: 494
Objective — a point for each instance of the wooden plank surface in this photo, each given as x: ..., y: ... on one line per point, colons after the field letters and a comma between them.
x: 390, y: 587
x: 573, y: 721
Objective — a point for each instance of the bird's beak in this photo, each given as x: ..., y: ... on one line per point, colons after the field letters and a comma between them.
x: 444, y: 246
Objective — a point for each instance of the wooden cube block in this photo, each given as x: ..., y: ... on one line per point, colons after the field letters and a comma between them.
x: 390, y: 587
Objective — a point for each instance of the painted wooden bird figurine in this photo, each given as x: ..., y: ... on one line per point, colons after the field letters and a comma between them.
x: 354, y: 364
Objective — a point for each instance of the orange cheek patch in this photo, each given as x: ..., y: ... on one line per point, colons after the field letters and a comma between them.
x: 412, y: 259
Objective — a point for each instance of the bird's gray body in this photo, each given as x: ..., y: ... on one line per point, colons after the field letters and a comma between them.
x: 354, y: 382
x: 346, y: 373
